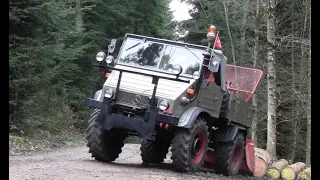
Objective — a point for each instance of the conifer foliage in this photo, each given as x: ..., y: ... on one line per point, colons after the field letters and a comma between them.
x: 52, y: 44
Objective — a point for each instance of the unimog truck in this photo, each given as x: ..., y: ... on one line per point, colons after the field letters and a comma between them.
x: 159, y: 90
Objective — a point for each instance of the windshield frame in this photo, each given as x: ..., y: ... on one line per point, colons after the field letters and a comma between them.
x: 164, y: 42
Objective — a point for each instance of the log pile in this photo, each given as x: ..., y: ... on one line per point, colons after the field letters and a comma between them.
x: 280, y: 169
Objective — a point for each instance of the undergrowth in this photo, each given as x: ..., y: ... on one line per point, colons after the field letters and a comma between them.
x: 44, y: 141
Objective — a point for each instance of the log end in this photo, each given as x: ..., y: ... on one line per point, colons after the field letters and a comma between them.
x: 288, y: 174
x: 303, y: 176
x: 273, y: 173
x: 260, y: 167
x: 263, y: 154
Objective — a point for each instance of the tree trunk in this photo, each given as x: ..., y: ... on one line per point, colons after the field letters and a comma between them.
x: 294, y: 109
x: 79, y: 16
x: 291, y: 171
x: 305, y: 174
x: 243, y: 30
x: 255, y: 58
x: 274, y: 171
x: 308, y: 139
x: 254, y: 125
x: 229, y: 32
x: 271, y: 77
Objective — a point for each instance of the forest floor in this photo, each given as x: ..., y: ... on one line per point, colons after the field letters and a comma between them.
x: 75, y: 163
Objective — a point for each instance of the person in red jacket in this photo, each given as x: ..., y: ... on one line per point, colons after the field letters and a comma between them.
x: 208, y: 76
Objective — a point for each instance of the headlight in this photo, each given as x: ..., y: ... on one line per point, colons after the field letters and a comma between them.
x: 100, y: 56
x: 215, y: 63
x: 196, y: 75
x: 109, y: 59
x: 163, y: 105
x: 108, y: 93
x: 176, y: 69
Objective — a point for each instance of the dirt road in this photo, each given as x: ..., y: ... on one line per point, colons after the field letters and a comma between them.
x: 77, y: 164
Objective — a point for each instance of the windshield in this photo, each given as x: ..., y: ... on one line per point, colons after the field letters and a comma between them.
x: 161, y: 57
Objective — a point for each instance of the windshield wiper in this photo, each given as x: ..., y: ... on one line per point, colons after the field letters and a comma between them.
x: 143, y: 41
x: 185, y: 46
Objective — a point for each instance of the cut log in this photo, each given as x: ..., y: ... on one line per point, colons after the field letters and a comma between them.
x: 290, y: 172
x: 305, y: 174
x: 260, y: 167
x: 263, y: 154
x: 274, y: 171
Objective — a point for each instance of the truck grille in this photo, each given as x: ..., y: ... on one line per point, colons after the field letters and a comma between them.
x: 132, y: 99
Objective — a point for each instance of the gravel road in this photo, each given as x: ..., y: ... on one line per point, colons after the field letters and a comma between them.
x: 77, y: 164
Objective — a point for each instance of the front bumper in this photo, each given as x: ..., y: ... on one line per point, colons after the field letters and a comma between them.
x: 143, y: 125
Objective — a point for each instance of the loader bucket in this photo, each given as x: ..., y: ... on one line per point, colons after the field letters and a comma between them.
x: 248, y: 163
x: 253, y: 164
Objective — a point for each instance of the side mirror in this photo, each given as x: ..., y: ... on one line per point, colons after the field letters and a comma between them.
x: 112, y: 46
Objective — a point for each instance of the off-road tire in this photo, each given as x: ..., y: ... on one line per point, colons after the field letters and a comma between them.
x: 182, y: 143
x: 224, y: 110
x: 104, y: 145
x: 224, y: 152
x: 154, y: 151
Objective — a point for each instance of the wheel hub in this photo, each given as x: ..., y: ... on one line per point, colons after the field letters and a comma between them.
x: 197, y: 147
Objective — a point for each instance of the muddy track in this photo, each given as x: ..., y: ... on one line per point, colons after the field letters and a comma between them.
x: 77, y: 164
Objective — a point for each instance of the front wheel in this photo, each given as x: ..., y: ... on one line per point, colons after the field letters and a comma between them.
x: 104, y: 145
x: 154, y: 151
x: 189, y: 147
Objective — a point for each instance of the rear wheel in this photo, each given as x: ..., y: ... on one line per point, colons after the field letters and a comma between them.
x: 154, y: 151
x: 189, y: 147
x: 229, y: 156
x: 104, y: 145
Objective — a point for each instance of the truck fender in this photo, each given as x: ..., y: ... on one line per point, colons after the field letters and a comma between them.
x: 225, y: 134
x: 189, y: 116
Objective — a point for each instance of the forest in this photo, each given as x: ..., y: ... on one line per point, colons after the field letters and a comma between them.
x: 53, y: 43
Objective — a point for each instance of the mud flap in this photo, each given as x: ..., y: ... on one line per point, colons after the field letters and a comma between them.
x: 247, y: 165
